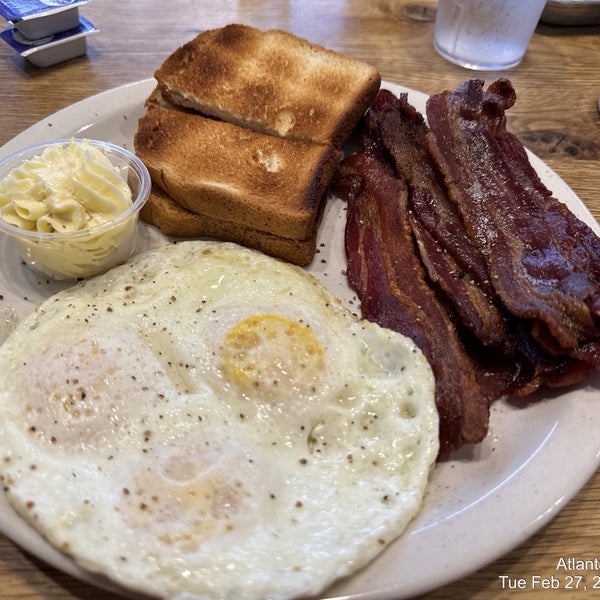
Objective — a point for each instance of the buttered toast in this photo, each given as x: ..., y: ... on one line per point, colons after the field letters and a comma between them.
x: 270, y: 81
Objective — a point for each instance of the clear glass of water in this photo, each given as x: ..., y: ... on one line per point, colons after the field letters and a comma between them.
x: 485, y: 34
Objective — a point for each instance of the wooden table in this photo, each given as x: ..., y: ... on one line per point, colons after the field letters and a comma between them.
x: 556, y: 115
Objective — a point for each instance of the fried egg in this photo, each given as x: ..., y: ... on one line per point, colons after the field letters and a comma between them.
x: 207, y: 422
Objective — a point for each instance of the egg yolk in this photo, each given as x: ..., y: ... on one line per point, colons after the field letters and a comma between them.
x: 184, y: 501
x: 270, y: 357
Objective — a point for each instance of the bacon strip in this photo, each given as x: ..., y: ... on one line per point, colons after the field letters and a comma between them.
x: 390, y: 281
x: 453, y: 263
x: 542, y: 260
x: 402, y: 131
x: 453, y: 239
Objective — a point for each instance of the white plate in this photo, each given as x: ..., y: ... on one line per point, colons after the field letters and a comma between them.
x: 480, y: 504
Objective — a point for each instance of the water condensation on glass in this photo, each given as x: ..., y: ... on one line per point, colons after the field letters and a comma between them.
x: 485, y: 34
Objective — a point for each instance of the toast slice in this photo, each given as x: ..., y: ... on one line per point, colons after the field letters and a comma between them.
x: 234, y: 174
x: 270, y: 81
x: 169, y: 217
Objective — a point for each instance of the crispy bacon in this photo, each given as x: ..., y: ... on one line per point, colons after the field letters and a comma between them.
x: 397, y: 133
x: 453, y: 263
x: 453, y: 239
x: 543, y: 261
x: 390, y: 282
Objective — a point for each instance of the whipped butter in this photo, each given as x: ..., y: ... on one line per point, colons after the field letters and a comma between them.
x: 66, y: 188
x: 64, y: 201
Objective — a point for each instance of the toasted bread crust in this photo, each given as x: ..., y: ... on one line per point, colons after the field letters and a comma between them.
x: 235, y: 174
x: 173, y: 220
x: 270, y: 81
x: 243, y: 134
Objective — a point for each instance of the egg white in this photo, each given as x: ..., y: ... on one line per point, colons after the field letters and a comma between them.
x: 208, y: 422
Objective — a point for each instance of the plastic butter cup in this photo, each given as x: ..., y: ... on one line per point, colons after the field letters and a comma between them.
x: 53, y: 49
x: 86, y: 252
x: 35, y: 19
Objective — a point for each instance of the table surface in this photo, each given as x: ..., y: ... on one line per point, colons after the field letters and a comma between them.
x: 556, y: 116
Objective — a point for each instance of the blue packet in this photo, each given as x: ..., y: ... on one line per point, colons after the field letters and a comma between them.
x: 51, y: 49
x: 18, y: 10
x: 37, y: 19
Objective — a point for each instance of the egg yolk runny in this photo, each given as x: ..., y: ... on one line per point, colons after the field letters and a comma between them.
x: 271, y: 356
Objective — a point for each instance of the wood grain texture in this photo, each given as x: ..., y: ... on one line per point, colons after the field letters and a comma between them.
x: 556, y: 115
